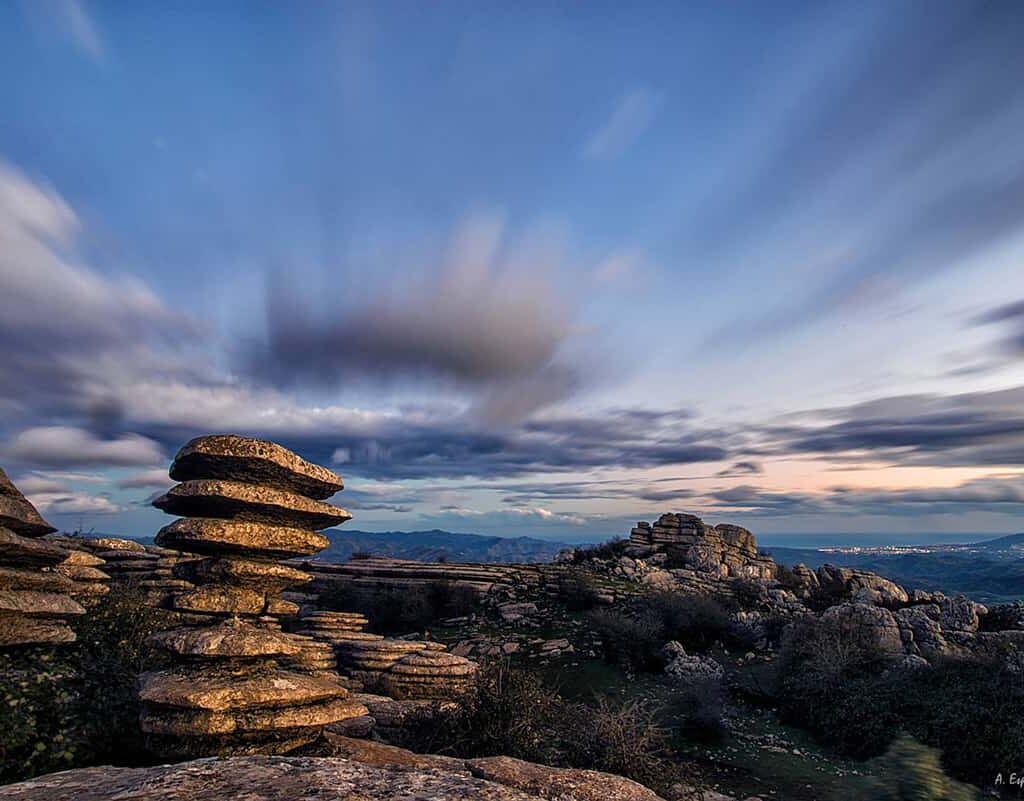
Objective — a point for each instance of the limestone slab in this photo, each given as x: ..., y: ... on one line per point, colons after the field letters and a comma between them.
x: 255, y: 461
x: 226, y: 691
x: 234, y: 500
x: 213, y: 536
x: 17, y: 514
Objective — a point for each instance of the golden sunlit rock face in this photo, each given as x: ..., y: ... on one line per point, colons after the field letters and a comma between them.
x: 239, y: 684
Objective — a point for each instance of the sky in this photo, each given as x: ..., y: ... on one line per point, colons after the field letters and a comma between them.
x: 521, y: 269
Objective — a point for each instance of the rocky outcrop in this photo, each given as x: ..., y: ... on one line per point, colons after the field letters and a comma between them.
x: 35, y: 593
x: 372, y: 772
x: 428, y: 674
x: 725, y: 549
x: 231, y: 689
x: 144, y: 569
x: 690, y: 668
x: 860, y: 585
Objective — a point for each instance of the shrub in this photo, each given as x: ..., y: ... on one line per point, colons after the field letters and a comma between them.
x: 514, y: 713
x: 787, y: 579
x: 635, y: 635
x: 699, y: 706
x: 839, y: 689
x: 78, y: 704
x: 910, y: 771
x: 629, y: 640
x: 749, y: 593
x: 612, y: 549
x: 577, y: 592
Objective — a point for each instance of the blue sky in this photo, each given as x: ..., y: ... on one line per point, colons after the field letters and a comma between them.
x: 531, y: 268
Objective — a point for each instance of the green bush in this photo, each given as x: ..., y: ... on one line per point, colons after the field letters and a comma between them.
x: 77, y: 704
x: 577, y: 591
x: 910, y: 771
x: 635, y: 634
x: 605, y: 551
x: 514, y: 713
x: 967, y: 708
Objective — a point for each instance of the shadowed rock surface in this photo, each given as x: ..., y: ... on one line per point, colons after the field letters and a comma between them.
x: 386, y: 774
x: 35, y: 595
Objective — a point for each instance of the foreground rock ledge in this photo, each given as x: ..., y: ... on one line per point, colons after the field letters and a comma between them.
x: 260, y: 778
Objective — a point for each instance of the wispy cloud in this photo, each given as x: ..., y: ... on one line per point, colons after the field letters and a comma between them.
x: 71, y: 20
x: 632, y: 116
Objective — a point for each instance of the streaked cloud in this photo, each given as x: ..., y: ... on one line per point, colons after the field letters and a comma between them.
x: 632, y: 115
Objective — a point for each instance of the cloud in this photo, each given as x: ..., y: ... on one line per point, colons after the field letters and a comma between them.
x: 979, y: 428
x: 978, y: 495
x: 909, y: 155
x: 64, y: 446
x: 1013, y: 315
x: 632, y: 116
x: 156, y: 477
x: 741, y: 469
x: 73, y: 503
x: 71, y: 20
x: 482, y: 322
x: 70, y: 336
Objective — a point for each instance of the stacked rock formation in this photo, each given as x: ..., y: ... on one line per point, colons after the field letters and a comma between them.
x: 367, y: 659
x: 724, y: 549
x: 34, y: 595
x: 246, y: 504
x: 147, y: 569
x: 428, y: 674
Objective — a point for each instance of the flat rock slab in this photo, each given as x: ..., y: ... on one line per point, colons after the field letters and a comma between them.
x: 266, y: 778
x: 39, y: 580
x: 254, y: 461
x: 234, y: 500
x: 113, y: 544
x: 230, y: 640
x: 266, y: 576
x: 17, y: 514
x: 215, y: 600
x: 213, y: 536
x: 18, y: 550
x: 219, y: 692
x: 38, y: 604
x: 16, y: 630
x: 206, y: 723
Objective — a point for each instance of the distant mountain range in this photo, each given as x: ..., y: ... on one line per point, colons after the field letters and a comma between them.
x: 436, y: 545
x: 992, y: 570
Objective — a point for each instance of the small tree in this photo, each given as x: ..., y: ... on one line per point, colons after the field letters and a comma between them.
x: 909, y: 771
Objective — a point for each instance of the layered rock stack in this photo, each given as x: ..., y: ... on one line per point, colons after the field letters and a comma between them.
x: 146, y: 569
x: 724, y: 549
x: 367, y: 659
x: 428, y: 674
x: 246, y: 504
x: 35, y: 597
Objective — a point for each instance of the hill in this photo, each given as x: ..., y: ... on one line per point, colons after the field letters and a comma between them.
x: 437, y: 545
